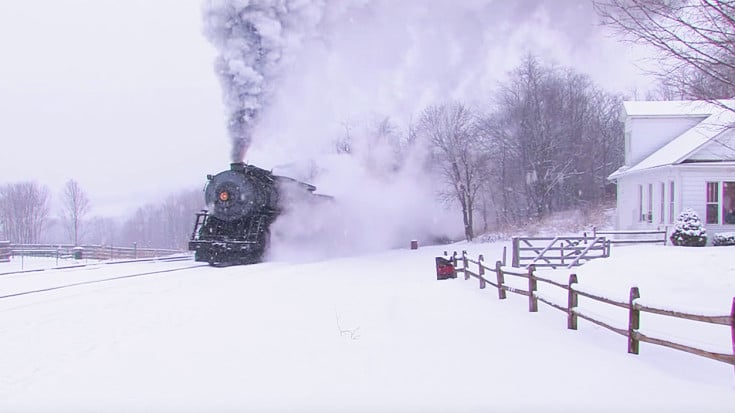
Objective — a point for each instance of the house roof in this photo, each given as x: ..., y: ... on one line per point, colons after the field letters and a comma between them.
x: 717, y: 120
x: 669, y: 108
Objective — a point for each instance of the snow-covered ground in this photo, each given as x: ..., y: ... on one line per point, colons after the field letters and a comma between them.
x: 372, y: 333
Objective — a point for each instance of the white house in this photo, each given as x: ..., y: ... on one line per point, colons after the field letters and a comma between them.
x: 678, y: 154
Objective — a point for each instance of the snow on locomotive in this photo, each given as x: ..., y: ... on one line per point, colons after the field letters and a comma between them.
x: 243, y: 202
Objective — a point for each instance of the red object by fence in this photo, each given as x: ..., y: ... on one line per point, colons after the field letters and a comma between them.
x: 445, y: 269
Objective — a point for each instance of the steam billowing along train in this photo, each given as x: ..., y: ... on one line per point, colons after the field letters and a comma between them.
x: 244, y: 201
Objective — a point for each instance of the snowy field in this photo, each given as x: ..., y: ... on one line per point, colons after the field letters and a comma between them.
x: 376, y: 333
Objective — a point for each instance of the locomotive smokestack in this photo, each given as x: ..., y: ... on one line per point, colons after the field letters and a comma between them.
x: 237, y: 166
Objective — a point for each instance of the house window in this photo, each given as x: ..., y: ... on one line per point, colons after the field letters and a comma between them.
x: 641, y: 217
x: 728, y: 202
x: 713, y: 202
x: 662, y: 203
x: 649, y: 213
x: 671, y: 202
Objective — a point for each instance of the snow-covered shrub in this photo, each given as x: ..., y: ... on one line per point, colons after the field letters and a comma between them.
x: 724, y: 238
x: 688, y: 230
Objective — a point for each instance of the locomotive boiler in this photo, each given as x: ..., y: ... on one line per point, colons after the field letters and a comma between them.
x: 242, y: 204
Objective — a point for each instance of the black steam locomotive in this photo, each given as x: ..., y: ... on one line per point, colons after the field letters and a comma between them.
x: 244, y: 202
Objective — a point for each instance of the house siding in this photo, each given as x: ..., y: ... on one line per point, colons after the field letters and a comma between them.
x: 694, y: 184
x: 628, y: 198
x: 645, y: 135
x: 722, y: 148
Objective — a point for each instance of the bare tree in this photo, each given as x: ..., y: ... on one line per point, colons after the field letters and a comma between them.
x: 533, y: 101
x: 553, y: 138
x: 505, y: 182
x: 456, y: 154
x: 24, y: 209
x: 74, y: 208
x: 695, y: 40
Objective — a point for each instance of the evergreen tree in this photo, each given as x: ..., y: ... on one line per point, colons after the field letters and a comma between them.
x: 688, y: 230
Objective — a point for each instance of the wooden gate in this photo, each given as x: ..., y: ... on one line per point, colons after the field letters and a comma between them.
x: 558, y: 251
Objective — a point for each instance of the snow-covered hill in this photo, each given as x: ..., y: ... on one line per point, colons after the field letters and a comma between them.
x: 369, y: 333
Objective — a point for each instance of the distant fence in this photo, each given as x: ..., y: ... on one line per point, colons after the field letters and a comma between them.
x: 572, y: 311
x: 633, y: 236
x: 571, y: 251
x: 94, y: 252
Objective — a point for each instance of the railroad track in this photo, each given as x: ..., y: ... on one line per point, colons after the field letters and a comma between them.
x: 66, y: 267
x: 100, y: 280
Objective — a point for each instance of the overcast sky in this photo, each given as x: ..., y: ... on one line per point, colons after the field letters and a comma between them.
x: 121, y: 96
x: 117, y: 94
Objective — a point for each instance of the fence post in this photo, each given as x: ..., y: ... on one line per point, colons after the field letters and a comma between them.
x: 634, y: 321
x: 561, y: 250
x: 515, y: 259
x: 499, y: 273
x: 572, y: 302
x: 532, y: 300
x: 481, y: 271
x: 465, y: 265
x: 504, y: 253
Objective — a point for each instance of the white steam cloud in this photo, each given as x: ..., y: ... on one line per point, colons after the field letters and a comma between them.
x: 336, y: 67
x: 253, y: 38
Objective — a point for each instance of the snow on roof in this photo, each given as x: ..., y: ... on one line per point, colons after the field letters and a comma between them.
x: 673, y: 107
x: 676, y: 151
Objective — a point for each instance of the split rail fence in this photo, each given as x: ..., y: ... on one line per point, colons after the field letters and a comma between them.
x: 654, y: 236
x: 94, y: 252
x: 634, y: 336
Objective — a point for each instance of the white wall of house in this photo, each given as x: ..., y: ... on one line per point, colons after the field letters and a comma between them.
x: 720, y: 149
x: 689, y: 191
x: 645, y: 135
x: 694, y: 193
x: 645, y: 199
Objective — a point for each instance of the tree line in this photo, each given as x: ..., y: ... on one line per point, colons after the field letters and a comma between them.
x: 26, y: 217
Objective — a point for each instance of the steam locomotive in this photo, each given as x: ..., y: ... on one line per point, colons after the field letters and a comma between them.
x: 244, y: 202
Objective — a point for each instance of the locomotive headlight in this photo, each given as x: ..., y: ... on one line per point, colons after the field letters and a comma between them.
x: 224, y: 196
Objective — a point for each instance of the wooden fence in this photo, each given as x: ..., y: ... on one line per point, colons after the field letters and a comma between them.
x: 5, y: 251
x: 634, y: 236
x: 94, y: 252
x: 572, y: 311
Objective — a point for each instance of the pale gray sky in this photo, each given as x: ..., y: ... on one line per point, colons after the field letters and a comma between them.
x: 117, y: 94
x: 121, y: 95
